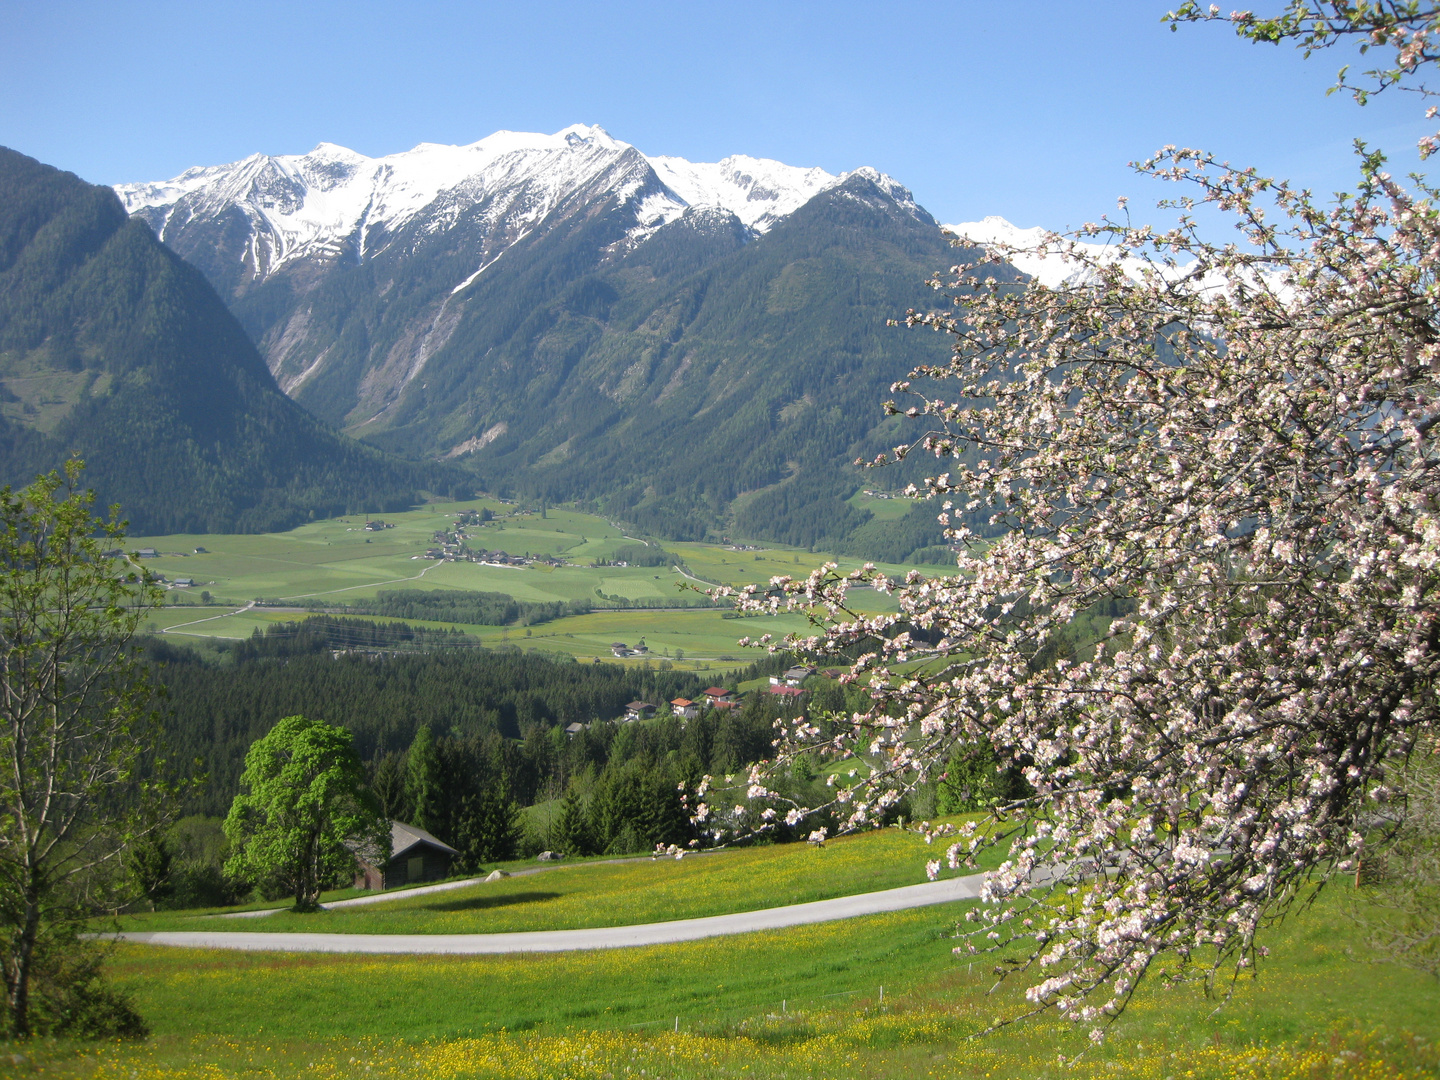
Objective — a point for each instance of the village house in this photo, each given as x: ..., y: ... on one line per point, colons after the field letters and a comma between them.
x: 415, y: 856
x: 619, y: 649
x: 714, y: 695
x: 571, y: 730
x: 639, y: 710
x: 793, y: 692
x: 794, y: 676
x: 684, y: 708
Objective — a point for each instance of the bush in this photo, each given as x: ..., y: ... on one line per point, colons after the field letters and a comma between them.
x: 69, y: 997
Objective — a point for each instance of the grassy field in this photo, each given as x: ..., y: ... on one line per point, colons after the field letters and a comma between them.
x: 337, y: 560
x: 797, y: 1003
x: 618, y: 894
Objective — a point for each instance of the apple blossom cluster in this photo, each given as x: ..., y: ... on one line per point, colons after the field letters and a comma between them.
x: 1233, y: 448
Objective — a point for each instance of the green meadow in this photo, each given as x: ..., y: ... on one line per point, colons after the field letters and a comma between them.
x: 880, y: 996
x: 337, y: 561
x: 614, y: 893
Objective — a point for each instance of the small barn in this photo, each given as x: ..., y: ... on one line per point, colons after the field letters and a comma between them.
x: 415, y: 857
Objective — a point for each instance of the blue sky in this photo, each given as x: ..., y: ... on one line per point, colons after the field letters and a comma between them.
x: 1022, y: 108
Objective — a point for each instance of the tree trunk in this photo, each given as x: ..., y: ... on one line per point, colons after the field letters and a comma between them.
x: 24, y: 963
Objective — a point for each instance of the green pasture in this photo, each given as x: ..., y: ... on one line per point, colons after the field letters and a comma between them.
x: 338, y: 560
x: 617, y: 894
x: 881, y: 509
x: 803, y: 1002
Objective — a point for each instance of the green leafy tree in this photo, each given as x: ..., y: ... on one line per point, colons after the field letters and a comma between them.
x: 306, y: 813
x: 77, y: 728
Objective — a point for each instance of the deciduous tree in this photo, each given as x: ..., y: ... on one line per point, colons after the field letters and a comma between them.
x: 1233, y: 443
x: 77, y: 735
x: 305, y: 814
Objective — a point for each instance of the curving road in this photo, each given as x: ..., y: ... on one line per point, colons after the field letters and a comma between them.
x: 608, y: 937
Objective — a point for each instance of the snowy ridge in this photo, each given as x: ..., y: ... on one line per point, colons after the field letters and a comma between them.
x: 1053, y: 269
x: 334, y: 201
x: 758, y: 191
x: 312, y: 204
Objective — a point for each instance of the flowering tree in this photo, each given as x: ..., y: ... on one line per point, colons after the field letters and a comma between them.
x: 1230, y: 445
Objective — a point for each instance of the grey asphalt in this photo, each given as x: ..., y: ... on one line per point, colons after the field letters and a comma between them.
x: 608, y: 937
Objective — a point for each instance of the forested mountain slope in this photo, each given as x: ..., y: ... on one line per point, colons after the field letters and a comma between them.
x: 113, y: 348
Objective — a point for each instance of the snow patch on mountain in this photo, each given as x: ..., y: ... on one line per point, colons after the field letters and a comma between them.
x: 311, y: 204
x: 758, y: 191
x: 1052, y: 269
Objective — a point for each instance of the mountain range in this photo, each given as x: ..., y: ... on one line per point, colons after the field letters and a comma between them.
x: 694, y: 348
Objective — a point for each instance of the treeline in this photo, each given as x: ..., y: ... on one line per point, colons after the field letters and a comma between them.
x: 323, y: 633
x: 217, y: 708
x: 611, y: 788
x: 456, y: 606
x: 640, y: 555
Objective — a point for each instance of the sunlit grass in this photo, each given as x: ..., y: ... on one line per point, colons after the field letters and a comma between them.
x: 623, y: 894
x: 797, y: 1003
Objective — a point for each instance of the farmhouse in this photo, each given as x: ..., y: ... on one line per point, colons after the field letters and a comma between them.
x: 415, y: 856
x: 793, y: 676
x: 639, y: 710
x: 714, y: 695
x: 684, y: 708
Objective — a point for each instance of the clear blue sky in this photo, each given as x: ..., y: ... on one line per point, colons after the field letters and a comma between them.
x: 1024, y: 108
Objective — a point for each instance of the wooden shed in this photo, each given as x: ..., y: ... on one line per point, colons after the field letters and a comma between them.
x: 415, y: 857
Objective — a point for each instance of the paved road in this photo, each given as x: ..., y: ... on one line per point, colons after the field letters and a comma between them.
x: 609, y: 937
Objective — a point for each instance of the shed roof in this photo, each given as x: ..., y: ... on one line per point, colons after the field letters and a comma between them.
x: 404, y: 837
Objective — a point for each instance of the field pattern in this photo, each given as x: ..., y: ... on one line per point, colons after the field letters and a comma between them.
x: 339, y: 561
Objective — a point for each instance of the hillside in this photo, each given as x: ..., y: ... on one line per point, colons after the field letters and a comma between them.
x: 694, y: 348
x: 113, y: 348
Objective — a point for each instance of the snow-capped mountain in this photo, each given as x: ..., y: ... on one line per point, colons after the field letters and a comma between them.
x: 275, y: 234
x: 333, y: 200
x: 569, y: 317
x: 1053, y: 268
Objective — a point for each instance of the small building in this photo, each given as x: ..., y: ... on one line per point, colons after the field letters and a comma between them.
x: 792, y: 677
x: 684, y: 708
x: 714, y: 695
x: 619, y: 649
x: 785, y: 691
x: 574, y: 729
x: 415, y: 856
x: 201, y: 551
x: 639, y: 710
x: 147, y: 553
x: 184, y: 582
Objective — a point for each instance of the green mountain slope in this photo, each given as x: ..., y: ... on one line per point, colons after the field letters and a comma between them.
x: 700, y: 384
x: 114, y: 348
